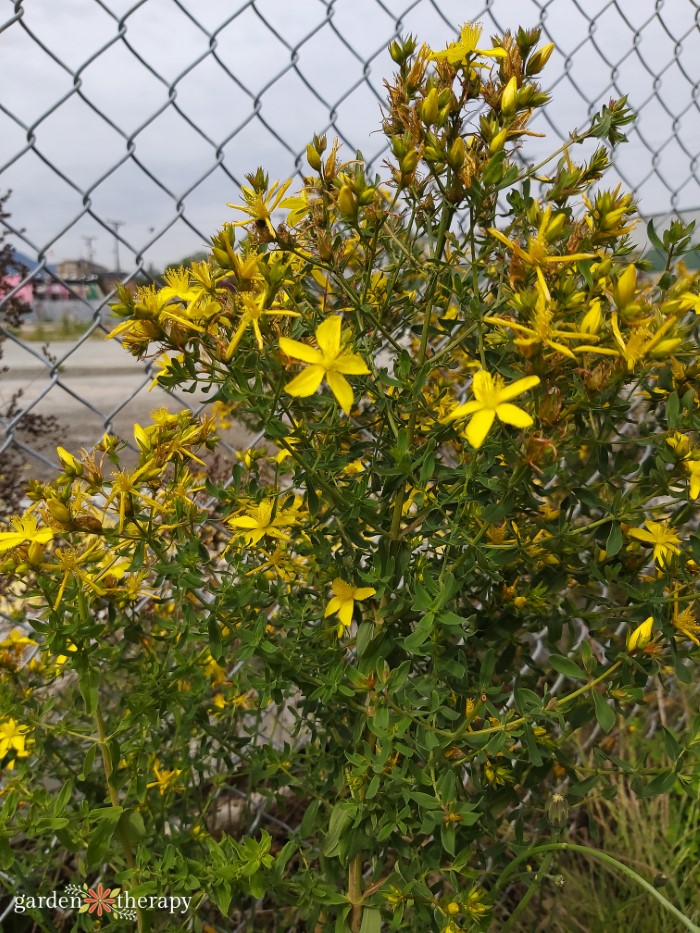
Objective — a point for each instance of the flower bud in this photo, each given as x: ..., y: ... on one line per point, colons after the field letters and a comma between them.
x: 70, y: 465
x: 498, y: 141
x: 347, y: 203
x: 623, y: 292
x: 442, y: 116
x: 409, y: 162
x: 557, y: 811
x: 430, y: 107
x: 539, y: 59
x: 508, y: 97
x: 641, y: 636
x: 456, y: 154
x: 445, y: 97
x: 35, y: 553
x: 399, y: 146
x: 59, y: 511
x: 313, y: 157
x: 592, y: 320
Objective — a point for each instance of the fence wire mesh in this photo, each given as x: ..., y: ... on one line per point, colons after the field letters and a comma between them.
x: 151, y: 112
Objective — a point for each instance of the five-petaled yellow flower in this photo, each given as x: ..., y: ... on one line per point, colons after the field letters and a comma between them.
x: 13, y: 737
x: 260, y: 205
x: 26, y: 532
x: 641, y: 636
x: 491, y: 400
x: 458, y: 52
x: 252, y: 308
x: 664, y: 539
x: 165, y: 780
x: 261, y: 522
x: 330, y: 361
x: 343, y: 602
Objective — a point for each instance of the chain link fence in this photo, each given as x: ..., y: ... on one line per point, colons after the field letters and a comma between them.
x: 130, y: 125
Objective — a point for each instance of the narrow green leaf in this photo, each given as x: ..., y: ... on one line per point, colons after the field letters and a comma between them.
x: 566, y: 667
x: 615, y: 541
x: 603, y: 712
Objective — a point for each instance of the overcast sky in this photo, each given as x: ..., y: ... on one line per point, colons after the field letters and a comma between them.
x: 229, y: 58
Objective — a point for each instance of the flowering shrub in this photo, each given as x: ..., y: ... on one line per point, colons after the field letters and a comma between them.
x: 463, y: 547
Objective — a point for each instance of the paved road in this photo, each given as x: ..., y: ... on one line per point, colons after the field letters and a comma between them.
x: 87, y: 389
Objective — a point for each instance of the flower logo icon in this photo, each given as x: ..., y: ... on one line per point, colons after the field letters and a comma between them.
x: 99, y: 901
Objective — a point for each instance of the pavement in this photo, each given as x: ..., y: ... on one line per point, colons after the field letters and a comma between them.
x: 87, y: 389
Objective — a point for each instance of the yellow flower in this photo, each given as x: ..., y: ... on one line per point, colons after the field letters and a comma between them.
x: 260, y: 522
x: 693, y: 468
x: 214, y: 671
x: 165, y: 780
x: 542, y: 329
x: 491, y: 400
x: 685, y: 623
x: 641, y: 636
x: 330, y: 361
x: 259, y: 205
x: 537, y: 253
x: 664, y: 539
x: 13, y: 737
x: 252, y: 308
x: 457, y: 52
x: 26, y: 532
x: 343, y: 601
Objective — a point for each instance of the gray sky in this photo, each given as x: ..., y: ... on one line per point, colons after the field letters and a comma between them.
x: 654, y: 47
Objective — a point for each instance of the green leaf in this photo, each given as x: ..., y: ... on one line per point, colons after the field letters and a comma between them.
x: 101, y: 837
x: 673, y: 749
x: 63, y: 797
x: 660, y: 785
x: 132, y: 826
x: 87, y: 683
x: 615, y: 541
x: 566, y: 667
x: 603, y: 713
x: 309, y: 821
x: 673, y: 407
x: 7, y: 856
x: 654, y: 237
x: 215, y: 647
x: 426, y: 801
x: 421, y: 634
x: 371, y: 920
x: 342, y: 815
x: 88, y: 763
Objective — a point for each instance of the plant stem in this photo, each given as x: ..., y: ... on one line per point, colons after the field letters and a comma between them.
x: 536, y: 881
x: 141, y: 922
x: 355, y: 892
x: 601, y: 857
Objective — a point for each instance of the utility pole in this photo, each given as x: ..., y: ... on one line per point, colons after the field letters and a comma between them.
x: 115, y: 225
x: 89, y: 240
